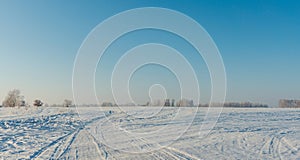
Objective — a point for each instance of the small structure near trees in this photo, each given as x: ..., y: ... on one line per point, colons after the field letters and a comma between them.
x: 37, y: 103
x: 67, y: 103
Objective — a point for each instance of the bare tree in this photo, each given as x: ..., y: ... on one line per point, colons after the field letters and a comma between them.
x: 67, y: 103
x: 37, y: 103
x: 13, y: 99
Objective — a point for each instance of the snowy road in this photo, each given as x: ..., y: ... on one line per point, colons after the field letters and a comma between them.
x: 60, y: 133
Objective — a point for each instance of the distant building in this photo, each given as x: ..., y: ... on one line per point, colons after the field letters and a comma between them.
x: 285, y: 103
x: 156, y: 102
x: 173, y: 103
x: 185, y: 103
x: 167, y: 102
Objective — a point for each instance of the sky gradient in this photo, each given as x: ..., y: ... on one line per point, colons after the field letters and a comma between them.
x: 258, y: 40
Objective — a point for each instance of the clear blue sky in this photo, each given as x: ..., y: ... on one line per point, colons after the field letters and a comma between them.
x: 258, y: 40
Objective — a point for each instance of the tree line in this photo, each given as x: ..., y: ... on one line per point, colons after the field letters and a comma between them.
x: 15, y: 99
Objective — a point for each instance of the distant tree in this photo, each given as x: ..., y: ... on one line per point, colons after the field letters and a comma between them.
x: 67, y: 103
x: 37, y: 103
x: 13, y: 99
x: 106, y: 104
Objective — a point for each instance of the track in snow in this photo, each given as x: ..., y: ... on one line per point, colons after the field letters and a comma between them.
x: 61, y: 134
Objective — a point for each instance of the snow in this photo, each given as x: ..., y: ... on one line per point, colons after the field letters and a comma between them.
x: 148, y: 133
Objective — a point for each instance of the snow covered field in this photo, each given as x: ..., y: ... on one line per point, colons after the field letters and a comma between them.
x: 148, y: 133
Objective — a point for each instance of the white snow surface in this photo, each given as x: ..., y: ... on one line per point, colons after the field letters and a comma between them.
x: 146, y: 133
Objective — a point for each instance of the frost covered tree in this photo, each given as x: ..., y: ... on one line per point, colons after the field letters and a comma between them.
x: 37, y: 103
x: 13, y: 99
x: 67, y: 103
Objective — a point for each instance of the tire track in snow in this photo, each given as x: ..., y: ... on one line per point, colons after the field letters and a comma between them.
x: 86, y: 145
x: 67, y: 149
x: 172, y: 153
x: 61, y: 148
x: 289, y: 149
x: 101, y: 148
x: 37, y: 153
x: 273, y: 144
x: 181, y: 154
x: 139, y: 143
x: 60, y: 142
